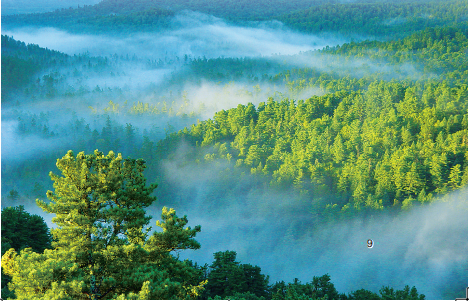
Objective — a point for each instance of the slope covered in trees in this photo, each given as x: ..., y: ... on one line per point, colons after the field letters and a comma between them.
x: 292, y: 159
x: 20, y: 62
x: 398, y: 128
x: 376, y: 145
x: 139, y: 15
x: 369, y: 18
x: 383, y: 19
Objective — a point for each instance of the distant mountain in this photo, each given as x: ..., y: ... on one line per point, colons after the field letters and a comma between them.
x: 110, y: 12
x: 11, y: 7
x: 222, y: 8
x: 364, y: 18
x: 390, y: 19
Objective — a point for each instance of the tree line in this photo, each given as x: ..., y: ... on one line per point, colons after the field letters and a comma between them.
x: 391, y: 20
x: 383, y: 19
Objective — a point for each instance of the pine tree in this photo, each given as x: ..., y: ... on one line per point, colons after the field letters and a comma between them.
x: 22, y: 230
x: 228, y: 278
x: 101, y: 249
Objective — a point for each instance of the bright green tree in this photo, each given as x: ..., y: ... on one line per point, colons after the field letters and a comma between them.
x: 100, y: 248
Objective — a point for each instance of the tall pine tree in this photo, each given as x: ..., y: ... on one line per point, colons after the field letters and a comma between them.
x: 100, y: 248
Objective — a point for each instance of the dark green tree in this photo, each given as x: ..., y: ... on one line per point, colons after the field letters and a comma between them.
x: 407, y: 293
x: 20, y: 230
x: 228, y: 278
x: 363, y: 294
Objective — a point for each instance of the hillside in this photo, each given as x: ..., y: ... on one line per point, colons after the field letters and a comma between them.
x: 379, y: 19
x: 140, y: 14
x: 358, y: 20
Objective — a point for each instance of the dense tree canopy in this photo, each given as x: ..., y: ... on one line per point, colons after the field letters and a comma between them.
x: 380, y: 18
x: 366, y: 18
x: 388, y: 145
x: 20, y: 230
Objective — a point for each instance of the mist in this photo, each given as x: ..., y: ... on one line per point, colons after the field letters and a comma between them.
x: 425, y: 246
x: 130, y: 80
x: 192, y: 33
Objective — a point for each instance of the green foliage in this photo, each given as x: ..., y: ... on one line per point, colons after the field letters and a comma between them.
x: 338, y: 143
x: 387, y: 293
x: 145, y: 14
x: 370, y: 18
x: 21, y: 230
x: 386, y: 19
x: 388, y: 132
x: 363, y: 294
x: 21, y: 62
x: 101, y: 249
x: 407, y: 293
x: 320, y: 288
x: 228, y: 278
x: 369, y: 141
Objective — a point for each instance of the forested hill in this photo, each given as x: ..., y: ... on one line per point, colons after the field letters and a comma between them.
x: 367, y: 18
x: 150, y: 14
x: 381, y: 19
x: 24, y: 65
x: 294, y: 132
x: 20, y: 62
x: 428, y: 54
x: 380, y: 144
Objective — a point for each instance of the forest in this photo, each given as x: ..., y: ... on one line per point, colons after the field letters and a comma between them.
x: 285, y: 135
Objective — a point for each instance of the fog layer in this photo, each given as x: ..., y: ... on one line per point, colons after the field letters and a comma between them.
x: 424, y: 247
x: 193, y: 34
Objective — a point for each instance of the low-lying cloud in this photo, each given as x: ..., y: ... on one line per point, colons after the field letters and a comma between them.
x: 193, y: 34
x: 424, y: 247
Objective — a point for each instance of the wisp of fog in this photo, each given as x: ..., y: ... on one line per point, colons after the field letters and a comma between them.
x: 192, y: 33
x: 424, y: 247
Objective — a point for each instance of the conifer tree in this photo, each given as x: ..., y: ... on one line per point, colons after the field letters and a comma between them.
x: 100, y: 248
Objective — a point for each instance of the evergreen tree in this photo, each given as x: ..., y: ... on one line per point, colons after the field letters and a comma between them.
x: 101, y: 249
x: 228, y: 278
x: 20, y: 230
